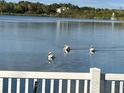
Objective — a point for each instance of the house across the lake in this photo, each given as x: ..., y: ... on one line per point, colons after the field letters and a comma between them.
x: 62, y: 9
x: 113, y: 16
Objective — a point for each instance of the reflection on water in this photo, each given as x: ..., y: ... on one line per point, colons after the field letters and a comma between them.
x: 26, y: 41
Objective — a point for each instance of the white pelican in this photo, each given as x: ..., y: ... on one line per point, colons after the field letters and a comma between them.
x: 92, y: 50
x: 66, y: 49
x: 50, y: 57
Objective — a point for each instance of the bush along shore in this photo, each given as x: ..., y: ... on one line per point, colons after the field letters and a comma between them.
x: 58, y: 10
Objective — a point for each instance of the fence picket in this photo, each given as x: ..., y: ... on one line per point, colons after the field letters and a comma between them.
x: 52, y: 86
x: 68, y: 86
x: 1, y: 85
x: 77, y: 86
x: 85, y: 86
x: 26, y: 85
x: 113, y: 87
x: 60, y: 86
x: 18, y: 86
x: 121, y: 87
x: 9, y: 85
x: 43, y: 85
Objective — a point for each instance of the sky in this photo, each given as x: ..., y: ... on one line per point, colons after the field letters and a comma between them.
x: 83, y: 3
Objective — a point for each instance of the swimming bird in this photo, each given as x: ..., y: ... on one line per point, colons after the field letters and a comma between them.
x: 50, y: 57
x: 92, y: 50
x: 66, y: 49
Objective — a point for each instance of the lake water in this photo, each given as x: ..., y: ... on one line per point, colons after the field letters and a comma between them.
x: 26, y: 41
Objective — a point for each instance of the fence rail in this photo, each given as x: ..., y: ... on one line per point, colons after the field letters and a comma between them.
x: 44, y: 75
x: 116, y: 77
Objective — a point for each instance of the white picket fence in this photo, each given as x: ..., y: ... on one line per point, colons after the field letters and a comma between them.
x: 94, y: 77
x: 114, y: 78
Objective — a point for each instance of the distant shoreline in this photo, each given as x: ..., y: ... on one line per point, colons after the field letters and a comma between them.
x: 26, y: 8
x: 36, y: 15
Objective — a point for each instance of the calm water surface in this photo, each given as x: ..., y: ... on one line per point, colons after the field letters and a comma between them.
x: 25, y: 42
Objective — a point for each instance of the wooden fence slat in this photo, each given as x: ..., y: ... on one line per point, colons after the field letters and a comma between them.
x: 121, y: 87
x: 1, y: 85
x: 43, y: 85
x: 18, y: 86
x: 77, y: 86
x: 60, y: 86
x: 68, y: 86
x: 26, y: 85
x: 9, y: 85
x: 113, y: 87
x: 85, y: 86
x: 52, y: 86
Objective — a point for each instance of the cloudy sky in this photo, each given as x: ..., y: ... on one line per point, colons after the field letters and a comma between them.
x: 92, y: 3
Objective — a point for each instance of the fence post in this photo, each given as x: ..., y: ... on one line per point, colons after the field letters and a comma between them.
x: 95, y: 80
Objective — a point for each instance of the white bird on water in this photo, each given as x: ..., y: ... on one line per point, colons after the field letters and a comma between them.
x: 50, y: 57
x: 66, y: 49
x: 92, y: 50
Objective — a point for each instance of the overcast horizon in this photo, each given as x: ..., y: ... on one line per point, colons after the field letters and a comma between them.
x: 83, y: 3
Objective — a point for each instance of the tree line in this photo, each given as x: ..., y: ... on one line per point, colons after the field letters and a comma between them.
x: 40, y: 9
